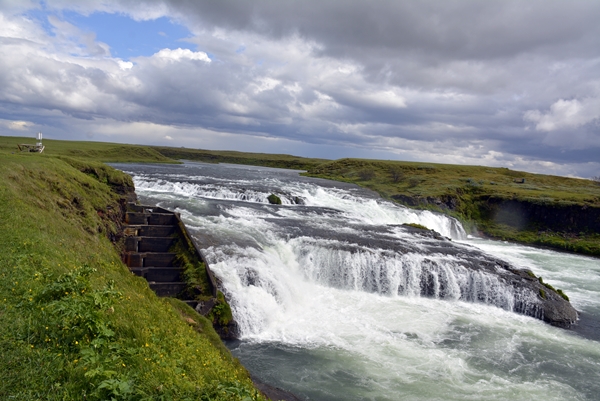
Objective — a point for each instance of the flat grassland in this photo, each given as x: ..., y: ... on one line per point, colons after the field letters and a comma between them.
x: 253, y: 159
x: 96, y: 151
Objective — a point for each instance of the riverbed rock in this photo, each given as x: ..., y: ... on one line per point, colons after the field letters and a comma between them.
x: 274, y: 199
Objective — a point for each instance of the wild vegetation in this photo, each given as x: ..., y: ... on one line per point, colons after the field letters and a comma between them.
x: 74, y: 323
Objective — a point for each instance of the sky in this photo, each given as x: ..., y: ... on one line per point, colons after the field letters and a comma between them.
x: 506, y: 83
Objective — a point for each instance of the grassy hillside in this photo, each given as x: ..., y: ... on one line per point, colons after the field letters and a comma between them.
x: 74, y: 323
x: 476, y: 195
x: 123, y: 153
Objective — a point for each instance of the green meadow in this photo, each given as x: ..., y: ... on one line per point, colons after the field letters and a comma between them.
x: 95, y: 151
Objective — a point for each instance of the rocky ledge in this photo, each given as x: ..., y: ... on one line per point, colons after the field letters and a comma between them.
x: 530, y: 295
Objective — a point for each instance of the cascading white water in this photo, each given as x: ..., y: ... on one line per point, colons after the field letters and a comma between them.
x: 369, y: 210
x: 328, y: 292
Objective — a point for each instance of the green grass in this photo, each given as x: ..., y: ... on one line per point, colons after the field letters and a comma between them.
x: 89, y: 151
x: 436, y: 180
x: 74, y: 323
x: 123, y: 153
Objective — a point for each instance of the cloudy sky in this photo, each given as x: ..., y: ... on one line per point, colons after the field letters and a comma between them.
x: 494, y: 82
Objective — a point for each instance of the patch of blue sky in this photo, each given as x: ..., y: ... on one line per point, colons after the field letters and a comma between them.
x: 129, y: 38
x: 126, y: 37
x: 41, y: 17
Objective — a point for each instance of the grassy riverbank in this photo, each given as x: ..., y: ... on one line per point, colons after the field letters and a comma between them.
x: 74, y: 323
x: 96, y: 151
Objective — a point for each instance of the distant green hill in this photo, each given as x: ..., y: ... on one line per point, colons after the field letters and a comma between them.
x: 254, y: 159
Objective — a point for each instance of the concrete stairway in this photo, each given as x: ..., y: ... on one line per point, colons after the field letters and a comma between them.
x: 150, y: 234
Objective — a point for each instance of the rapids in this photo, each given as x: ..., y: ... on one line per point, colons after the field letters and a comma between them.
x: 328, y: 292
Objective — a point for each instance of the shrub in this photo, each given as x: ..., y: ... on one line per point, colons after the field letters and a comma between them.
x: 414, y: 181
x: 366, y: 174
x: 397, y: 174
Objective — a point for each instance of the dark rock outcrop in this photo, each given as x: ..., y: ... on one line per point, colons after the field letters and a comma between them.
x: 274, y: 199
x: 445, y: 202
x: 518, y: 213
x: 522, y: 214
x: 432, y: 266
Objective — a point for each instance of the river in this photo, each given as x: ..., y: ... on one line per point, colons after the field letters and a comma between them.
x: 325, y: 291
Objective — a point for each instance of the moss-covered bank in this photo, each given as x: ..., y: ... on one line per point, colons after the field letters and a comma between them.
x: 74, y: 323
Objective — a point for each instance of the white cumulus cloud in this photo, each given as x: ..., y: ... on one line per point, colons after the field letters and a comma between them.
x: 125, y: 65
x: 19, y: 125
x: 565, y: 114
x: 179, y: 54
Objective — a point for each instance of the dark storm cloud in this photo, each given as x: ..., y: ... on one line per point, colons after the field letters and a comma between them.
x: 460, y: 29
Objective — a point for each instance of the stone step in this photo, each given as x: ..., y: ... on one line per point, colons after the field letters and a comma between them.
x: 156, y: 231
x: 172, y: 289
x: 157, y: 219
x: 147, y: 209
x: 149, y: 244
x: 159, y: 274
x: 149, y: 231
x: 192, y: 303
x: 150, y: 259
x: 162, y: 219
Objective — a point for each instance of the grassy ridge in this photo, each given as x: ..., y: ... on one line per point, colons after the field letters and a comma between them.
x: 74, y: 323
x: 254, y: 159
x: 436, y: 180
x: 472, y: 193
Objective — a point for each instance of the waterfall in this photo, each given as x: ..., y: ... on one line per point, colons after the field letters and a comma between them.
x: 263, y: 282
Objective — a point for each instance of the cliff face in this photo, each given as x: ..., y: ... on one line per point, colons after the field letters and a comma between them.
x: 521, y: 215
x: 559, y: 225
x: 517, y: 213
